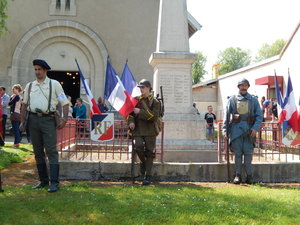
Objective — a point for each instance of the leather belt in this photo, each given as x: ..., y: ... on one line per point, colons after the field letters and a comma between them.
x: 51, y: 114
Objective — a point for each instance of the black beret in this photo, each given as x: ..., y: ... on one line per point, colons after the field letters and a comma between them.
x: 42, y: 63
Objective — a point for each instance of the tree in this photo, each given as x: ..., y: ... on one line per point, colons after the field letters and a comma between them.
x: 232, y: 59
x: 267, y: 51
x: 3, y: 16
x: 198, y: 68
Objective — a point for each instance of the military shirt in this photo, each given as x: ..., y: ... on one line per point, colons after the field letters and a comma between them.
x: 39, y: 95
x: 144, y: 121
x: 247, y: 105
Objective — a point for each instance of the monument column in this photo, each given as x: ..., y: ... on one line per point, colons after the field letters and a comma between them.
x: 184, y: 130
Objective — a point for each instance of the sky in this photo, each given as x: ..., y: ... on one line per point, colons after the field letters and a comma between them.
x: 247, y: 24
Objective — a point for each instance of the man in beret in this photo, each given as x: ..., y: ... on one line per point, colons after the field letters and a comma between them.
x: 142, y: 124
x: 41, y: 98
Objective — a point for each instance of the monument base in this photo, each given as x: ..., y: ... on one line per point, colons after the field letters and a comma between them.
x: 185, y: 139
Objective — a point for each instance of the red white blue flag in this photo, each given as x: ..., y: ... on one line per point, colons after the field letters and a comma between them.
x: 129, y: 82
x: 93, y: 105
x: 116, y: 94
x: 102, y: 127
x: 287, y: 114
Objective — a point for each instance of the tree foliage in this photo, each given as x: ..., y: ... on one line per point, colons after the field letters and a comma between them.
x: 267, y: 51
x: 232, y: 59
x: 3, y: 16
x: 198, y: 66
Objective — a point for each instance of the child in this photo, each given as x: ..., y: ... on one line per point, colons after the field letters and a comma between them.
x: 210, y: 118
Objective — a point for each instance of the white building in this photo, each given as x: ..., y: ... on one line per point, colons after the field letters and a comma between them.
x: 260, y: 76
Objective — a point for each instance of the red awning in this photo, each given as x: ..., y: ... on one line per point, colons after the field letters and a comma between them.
x: 268, y: 80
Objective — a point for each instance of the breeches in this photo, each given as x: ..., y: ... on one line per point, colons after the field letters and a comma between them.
x: 43, y: 136
x: 144, y: 147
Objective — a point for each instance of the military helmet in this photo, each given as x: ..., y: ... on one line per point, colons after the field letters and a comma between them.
x: 243, y: 81
x: 145, y: 83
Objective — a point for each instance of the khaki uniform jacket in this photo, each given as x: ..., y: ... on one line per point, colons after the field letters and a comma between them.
x: 144, y: 121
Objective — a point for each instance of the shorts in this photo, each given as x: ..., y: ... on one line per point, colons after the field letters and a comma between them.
x: 210, y: 130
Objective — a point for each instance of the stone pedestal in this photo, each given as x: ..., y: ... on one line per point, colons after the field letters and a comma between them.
x: 184, y: 132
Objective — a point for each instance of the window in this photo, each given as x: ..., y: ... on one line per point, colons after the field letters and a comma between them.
x: 62, y: 8
x: 58, y: 4
x: 67, y: 5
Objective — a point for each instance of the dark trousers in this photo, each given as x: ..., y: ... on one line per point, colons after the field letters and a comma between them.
x: 144, y: 147
x: 43, y: 136
x: 17, y: 132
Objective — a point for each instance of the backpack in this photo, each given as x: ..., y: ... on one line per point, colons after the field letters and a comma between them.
x: 158, y: 123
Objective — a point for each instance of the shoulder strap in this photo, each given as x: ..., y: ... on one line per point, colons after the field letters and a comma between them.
x: 250, y: 107
x: 235, y: 102
x: 151, y: 102
x: 50, y: 94
x: 29, y: 90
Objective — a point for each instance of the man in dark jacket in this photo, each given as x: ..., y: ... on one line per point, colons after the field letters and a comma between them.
x: 142, y: 124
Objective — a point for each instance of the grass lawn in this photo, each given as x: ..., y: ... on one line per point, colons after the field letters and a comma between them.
x: 86, y: 203
x: 12, y: 155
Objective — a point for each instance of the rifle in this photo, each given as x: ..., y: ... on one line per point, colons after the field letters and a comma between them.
x: 161, y: 100
x: 227, y: 159
x: 227, y: 149
x: 133, y: 157
x: 1, y: 190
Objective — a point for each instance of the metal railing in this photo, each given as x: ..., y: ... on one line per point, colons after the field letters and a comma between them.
x: 269, y: 146
x: 74, y: 143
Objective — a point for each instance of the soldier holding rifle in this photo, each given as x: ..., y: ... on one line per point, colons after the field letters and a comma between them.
x: 242, y: 120
x: 142, y: 124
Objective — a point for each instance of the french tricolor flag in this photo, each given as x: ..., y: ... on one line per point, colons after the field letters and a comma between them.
x: 129, y: 82
x: 116, y: 94
x: 288, y: 114
x: 93, y: 105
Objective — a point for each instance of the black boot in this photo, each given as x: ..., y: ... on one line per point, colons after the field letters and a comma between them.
x: 147, y: 180
x: 54, y: 172
x: 43, y: 176
x: 142, y: 168
x: 249, y: 179
x: 237, y: 179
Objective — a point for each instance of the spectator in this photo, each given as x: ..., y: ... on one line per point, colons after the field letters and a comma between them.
x: 196, y: 110
x: 266, y: 109
x: 263, y: 98
x: 101, y: 105
x: 274, y: 110
x: 15, y: 113
x: 80, y: 109
x: 5, y: 100
x: 210, y: 118
x: 70, y: 113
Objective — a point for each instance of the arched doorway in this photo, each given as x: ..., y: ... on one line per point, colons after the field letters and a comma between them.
x: 70, y: 82
x: 59, y: 42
